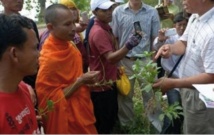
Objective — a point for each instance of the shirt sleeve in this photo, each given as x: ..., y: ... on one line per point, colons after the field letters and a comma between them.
x: 155, y: 24
x: 103, y: 44
x: 184, y: 37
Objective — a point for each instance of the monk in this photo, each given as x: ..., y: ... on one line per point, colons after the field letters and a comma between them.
x: 61, y: 81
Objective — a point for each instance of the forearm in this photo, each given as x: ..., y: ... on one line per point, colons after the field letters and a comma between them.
x: 68, y: 91
x: 178, y: 48
x: 202, y: 78
x: 114, y: 57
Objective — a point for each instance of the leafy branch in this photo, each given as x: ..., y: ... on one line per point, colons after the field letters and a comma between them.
x: 147, y: 71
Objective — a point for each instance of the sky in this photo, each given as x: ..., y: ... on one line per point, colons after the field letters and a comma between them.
x: 32, y: 13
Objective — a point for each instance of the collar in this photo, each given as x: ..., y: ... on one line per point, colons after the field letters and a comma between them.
x: 58, y: 43
x: 103, y: 25
x: 206, y: 16
x: 144, y: 6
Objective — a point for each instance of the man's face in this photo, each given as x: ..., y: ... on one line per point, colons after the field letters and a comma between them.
x: 28, y: 54
x: 13, y: 5
x: 104, y: 15
x: 64, y: 27
x: 192, y: 6
x: 180, y: 27
x: 135, y: 2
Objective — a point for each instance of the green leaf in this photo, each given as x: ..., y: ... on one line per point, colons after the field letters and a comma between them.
x: 175, y: 115
x: 161, y: 117
x: 158, y: 95
x: 132, y: 77
x: 50, y: 104
x: 147, y: 88
x: 169, y: 115
x: 178, y: 108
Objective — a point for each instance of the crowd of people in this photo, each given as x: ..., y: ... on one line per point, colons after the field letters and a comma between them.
x: 61, y: 83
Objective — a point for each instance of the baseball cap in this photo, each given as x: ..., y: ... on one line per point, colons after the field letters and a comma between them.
x: 102, y: 4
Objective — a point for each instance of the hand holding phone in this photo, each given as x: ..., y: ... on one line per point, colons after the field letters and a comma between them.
x: 137, y: 27
x: 170, y: 32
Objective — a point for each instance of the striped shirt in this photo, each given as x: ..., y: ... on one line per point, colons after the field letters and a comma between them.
x: 122, y: 26
x: 199, y: 55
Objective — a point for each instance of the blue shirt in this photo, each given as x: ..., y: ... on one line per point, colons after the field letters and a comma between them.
x: 122, y: 26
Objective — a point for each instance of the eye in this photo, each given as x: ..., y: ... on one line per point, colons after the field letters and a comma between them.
x: 67, y: 24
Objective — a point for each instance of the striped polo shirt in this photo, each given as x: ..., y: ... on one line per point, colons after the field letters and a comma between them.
x: 199, y: 55
x: 122, y: 26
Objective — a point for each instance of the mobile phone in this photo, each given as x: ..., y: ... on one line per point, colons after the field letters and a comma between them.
x: 84, y: 16
x: 170, y: 32
x: 137, y: 26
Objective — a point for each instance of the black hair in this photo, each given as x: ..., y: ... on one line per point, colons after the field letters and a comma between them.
x: 51, y: 13
x: 12, y: 32
x: 179, y: 17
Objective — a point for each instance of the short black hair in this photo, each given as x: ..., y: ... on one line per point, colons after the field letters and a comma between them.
x: 12, y: 32
x: 179, y: 17
x: 51, y: 13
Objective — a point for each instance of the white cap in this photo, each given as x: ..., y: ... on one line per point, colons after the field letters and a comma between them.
x: 102, y: 4
x: 119, y: 1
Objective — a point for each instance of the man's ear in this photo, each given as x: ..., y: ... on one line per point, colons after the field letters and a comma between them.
x: 13, y: 53
x: 49, y: 26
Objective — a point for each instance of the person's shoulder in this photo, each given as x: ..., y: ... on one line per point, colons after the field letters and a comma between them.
x: 23, y: 87
x: 121, y: 8
x: 28, y: 19
x: 151, y: 10
x: 96, y: 29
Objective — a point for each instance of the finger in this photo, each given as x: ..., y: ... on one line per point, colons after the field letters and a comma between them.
x: 155, y: 85
x: 158, y: 54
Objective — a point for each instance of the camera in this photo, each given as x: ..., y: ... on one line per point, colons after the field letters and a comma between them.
x: 170, y: 32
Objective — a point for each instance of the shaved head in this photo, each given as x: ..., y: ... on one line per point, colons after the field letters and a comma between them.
x: 52, y: 12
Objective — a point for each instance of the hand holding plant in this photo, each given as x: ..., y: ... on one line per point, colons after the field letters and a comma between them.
x: 147, y: 71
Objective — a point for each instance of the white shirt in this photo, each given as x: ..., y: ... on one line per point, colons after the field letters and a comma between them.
x: 169, y: 63
x: 199, y: 55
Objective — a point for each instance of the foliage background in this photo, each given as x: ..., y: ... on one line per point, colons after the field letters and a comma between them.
x: 83, y: 5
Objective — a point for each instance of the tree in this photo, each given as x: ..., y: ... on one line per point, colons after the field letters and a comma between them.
x: 151, y: 2
x: 179, y: 4
x: 41, y: 11
x: 83, y: 5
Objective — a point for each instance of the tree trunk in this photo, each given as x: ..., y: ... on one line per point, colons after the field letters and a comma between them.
x: 42, y: 10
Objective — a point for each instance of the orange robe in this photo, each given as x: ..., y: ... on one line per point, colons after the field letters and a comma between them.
x: 60, y: 65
